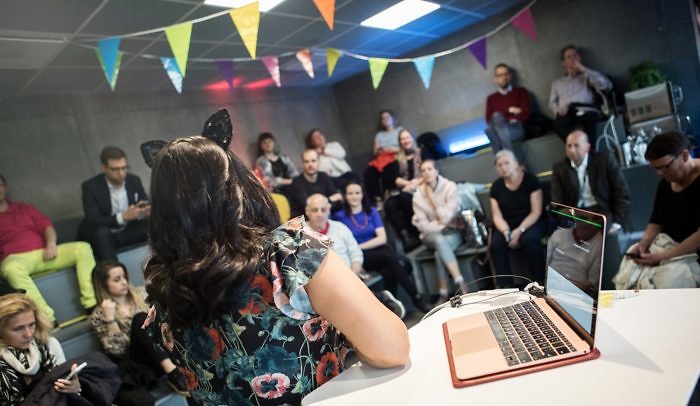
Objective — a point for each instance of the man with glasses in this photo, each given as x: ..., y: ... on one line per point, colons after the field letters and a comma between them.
x: 115, y: 205
x: 507, y: 110
x: 676, y: 212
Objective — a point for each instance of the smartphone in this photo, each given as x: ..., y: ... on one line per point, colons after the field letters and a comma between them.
x: 142, y: 204
x: 632, y: 255
x: 73, y: 373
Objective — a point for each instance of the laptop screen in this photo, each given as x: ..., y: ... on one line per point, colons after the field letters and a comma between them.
x: 574, y: 263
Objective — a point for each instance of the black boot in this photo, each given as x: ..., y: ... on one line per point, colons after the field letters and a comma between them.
x: 410, y: 241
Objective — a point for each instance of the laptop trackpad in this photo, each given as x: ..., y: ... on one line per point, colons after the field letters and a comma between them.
x: 472, y: 340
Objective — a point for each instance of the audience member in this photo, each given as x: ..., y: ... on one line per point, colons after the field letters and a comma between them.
x: 311, y: 181
x: 345, y: 246
x: 516, y: 207
x: 575, y: 252
x: 507, y: 110
x: 277, y: 169
x: 436, y: 208
x: 676, y: 212
x: 331, y: 158
x: 115, y: 206
x: 224, y: 282
x: 368, y: 229
x: 592, y: 181
x: 27, y: 352
x: 386, y: 146
x: 117, y: 322
x: 401, y: 179
x: 28, y: 246
x: 572, y: 96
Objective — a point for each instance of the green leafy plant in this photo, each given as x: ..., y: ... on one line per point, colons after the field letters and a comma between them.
x: 645, y: 74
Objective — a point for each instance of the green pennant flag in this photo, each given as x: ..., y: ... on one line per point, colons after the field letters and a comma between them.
x: 377, y: 67
x: 179, y: 40
x: 332, y: 56
x: 115, y: 73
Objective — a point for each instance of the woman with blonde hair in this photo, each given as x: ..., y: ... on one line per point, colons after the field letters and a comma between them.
x: 27, y: 352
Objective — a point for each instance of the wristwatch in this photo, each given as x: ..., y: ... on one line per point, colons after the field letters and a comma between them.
x: 522, y: 230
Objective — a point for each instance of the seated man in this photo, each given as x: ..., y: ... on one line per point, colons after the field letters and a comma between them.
x: 28, y: 245
x: 310, y: 182
x: 507, y: 110
x: 572, y: 95
x: 344, y: 244
x: 674, y: 227
x: 115, y: 205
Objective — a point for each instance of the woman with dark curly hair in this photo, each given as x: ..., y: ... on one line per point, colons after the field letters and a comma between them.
x: 250, y: 313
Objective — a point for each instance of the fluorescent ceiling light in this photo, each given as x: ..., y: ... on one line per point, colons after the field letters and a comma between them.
x: 400, y: 14
x: 265, y: 5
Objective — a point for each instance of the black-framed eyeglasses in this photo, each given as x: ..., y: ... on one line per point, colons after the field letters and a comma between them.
x: 664, y: 168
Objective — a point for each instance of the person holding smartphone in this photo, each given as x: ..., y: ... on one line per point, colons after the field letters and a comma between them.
x: 27, y: 352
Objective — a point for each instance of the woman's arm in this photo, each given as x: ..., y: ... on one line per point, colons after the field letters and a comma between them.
x: 498, y: 221
x: 377, y: 241
x: 114, y: 341
x: 531, y: 218
x: 339, y: 296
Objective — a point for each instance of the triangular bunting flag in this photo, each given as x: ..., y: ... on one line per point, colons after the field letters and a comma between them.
x: 332, y: 56
x: 247, y: 21
x: 107, y: 50
x: 424, y: 66
x: 478, y: 49
x: 173, y: 71
x: 327, y: 9
x: 304, y: 56
x: 115, y: 74
x: 377, y: 67
x: 226, y: 70
x: 525, y: 24
x: 273, y: 66
x: 179, y: 40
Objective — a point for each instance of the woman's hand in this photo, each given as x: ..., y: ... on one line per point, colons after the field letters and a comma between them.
x: 514, y: 238
x: 109, y: 309
x: 68, y: 385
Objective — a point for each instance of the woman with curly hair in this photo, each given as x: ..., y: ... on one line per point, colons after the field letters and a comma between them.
x: 249, y: 311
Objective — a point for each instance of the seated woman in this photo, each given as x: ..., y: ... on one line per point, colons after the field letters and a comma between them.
x: 253, y: 314
x: 27, y: 353
x: 117, y: 321
x: 277, y: 169
x: 401, y: 179
x: 331, y: 158
x: 386, y: 146
x: 368, y: 229
x: 436, y: 208
x: 516, y: 204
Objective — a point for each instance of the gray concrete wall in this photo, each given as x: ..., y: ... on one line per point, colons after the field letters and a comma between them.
x: 613, y: 35
x: 49, y: 145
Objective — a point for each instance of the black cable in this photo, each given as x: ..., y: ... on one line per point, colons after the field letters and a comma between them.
x: 494, y: 276
x: 449, y: 303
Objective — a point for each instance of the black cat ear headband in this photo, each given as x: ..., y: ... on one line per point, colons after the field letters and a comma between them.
x: 217, y: 128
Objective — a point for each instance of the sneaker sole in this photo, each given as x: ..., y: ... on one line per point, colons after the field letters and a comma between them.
x: 396, y: 302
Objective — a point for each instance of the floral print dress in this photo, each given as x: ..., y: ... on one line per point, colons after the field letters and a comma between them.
x: 274, y: 348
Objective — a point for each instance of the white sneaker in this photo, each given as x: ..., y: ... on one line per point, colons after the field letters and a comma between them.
x: 392, y: 303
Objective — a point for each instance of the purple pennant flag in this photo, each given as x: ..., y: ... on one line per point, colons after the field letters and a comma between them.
x: 478, y: 49
x: 226, y: 70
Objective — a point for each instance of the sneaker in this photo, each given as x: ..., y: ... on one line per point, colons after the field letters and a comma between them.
x: 392, y: 303
x: 176, y: 380
x: 379, y: 205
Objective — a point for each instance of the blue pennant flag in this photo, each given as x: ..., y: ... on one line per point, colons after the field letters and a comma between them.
x: 173, y: 71
x: 424, y: 66
x: 109, y: 48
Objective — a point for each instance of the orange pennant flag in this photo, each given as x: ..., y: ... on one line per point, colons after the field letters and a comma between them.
x: 247, y: 21
x: 327, y: 9
x: 304, y: 56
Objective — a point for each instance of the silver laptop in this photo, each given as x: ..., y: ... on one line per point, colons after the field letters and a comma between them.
x: 545, y: 331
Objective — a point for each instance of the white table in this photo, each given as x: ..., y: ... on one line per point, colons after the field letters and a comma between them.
x: 650, y: 355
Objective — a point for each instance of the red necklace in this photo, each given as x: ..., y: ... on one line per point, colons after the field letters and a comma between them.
x: 352, y: 218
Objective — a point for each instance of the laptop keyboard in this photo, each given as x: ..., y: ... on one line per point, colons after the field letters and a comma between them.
x: 526, y: 334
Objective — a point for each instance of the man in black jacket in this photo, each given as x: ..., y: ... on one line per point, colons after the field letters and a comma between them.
x: 115, y: 205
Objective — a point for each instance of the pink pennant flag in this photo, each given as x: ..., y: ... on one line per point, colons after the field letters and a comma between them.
x: 525, y: 24
x: 273, y: 66
x: 478, y: 49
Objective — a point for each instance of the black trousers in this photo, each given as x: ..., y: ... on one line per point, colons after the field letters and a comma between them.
x: 392, y: 268
x: 399, y: 212
x: 530, y: 244
x: 105, y: 243
x: 143, y: 349
x: 588, y: 122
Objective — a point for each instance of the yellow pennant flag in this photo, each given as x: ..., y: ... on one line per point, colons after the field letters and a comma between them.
x: 327, y: 10
x: 332, y: 56
x: 304, y: 57
x: 377, y: 67
x: 179, y: 40
x: 247, y: 20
